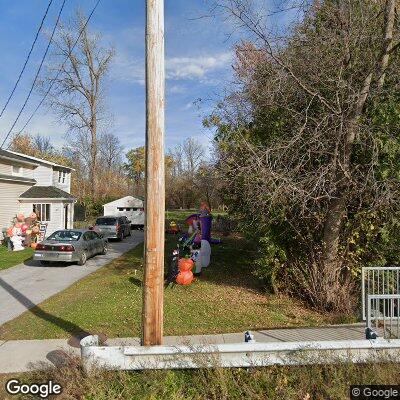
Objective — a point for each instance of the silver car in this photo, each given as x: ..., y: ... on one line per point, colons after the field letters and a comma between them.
x: 70, y: 245
x: 113, y: 227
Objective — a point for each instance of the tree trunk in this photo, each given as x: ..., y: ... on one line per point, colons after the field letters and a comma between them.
x: 331, y: 239
x: 388, y: 41
x: 93, y: 157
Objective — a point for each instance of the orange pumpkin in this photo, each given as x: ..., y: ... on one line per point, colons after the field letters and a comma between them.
x: 185, y: 264
x: 33, y: 245
x: 184, y: 278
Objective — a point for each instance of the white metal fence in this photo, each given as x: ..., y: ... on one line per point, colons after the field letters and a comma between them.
x: 379, y: 281
x: 383, y: 315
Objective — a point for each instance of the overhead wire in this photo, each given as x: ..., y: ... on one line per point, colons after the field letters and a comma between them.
x: 26, y: 60
x: 37, y: 74
x: 58, y: 73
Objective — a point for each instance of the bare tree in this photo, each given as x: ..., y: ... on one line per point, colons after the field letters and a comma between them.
x: 110, y: 151
x: 297, y: 137
x: 43, y: 144
x: 77, y: 92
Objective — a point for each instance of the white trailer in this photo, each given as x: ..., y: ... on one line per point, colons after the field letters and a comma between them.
x: 129, y: 206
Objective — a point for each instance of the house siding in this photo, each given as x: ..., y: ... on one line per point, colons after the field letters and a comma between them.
x: 28, y: 172
x: 66, y: 186
x: 56, y: 213
x: 9, y: 204
x: 5, y: 168
x: 43, y: 175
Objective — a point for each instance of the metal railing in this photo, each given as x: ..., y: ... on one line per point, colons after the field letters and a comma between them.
x: 383, y: 315
x: 379, y: 281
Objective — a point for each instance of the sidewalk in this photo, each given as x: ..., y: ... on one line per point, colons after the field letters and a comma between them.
x: 26, y: 285
x: 18, y: 355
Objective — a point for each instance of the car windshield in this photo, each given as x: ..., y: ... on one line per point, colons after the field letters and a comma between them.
x: 105, y: 221
x: 65, y: 236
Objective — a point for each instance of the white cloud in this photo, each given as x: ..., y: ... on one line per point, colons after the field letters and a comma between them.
x: 126, y: 68
x: 196, y: 67
x: 176, y: 89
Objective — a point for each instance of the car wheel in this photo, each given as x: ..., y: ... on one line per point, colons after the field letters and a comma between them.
x: 105, y: 249
x: 44, y: 262
x: 82, y: 259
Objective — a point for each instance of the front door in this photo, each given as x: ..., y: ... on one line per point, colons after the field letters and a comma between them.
x: 66, y: 216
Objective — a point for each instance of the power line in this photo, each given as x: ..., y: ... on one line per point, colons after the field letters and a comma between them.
x: 58, y: 73
x: 27, y: 59
x: 37, y: 74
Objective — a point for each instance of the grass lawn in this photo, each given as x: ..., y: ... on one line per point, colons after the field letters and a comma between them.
x: 10, y: 258
x: 226, y: 298
x: 310, y: 382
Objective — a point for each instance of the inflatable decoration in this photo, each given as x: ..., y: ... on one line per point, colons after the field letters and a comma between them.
x: 184, y: 278
x: 185, y: 264
x: 173, y: 228
x: 10, y: 231
x: 23, y: 231
x: 24, y: 228
x: 193, y: 250
x: 20, y: 218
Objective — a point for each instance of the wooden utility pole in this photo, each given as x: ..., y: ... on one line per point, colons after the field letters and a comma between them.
x: 153, y: 283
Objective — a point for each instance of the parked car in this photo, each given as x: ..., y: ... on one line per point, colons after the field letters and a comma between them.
x: 70, y: 245
x: 113, y: 227
x: 135, y: 215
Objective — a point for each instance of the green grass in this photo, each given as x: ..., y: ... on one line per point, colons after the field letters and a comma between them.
x: 311, y: 382
x: 10, y: 258
x: 226, y: 298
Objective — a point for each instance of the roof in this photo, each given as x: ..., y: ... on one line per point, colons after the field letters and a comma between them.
x: 16, y: 178
x: 127, y: 201
x: 29, y: 159
x: 46, y: 192
x: 8, y: 155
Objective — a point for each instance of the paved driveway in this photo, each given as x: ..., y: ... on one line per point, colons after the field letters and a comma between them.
x: 26, y: 285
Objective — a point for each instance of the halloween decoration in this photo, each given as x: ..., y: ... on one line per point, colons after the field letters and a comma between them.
x: 24, y: 231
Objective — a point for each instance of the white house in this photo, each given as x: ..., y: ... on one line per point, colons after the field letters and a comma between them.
x: 31, y: 184
x: 131, y: 207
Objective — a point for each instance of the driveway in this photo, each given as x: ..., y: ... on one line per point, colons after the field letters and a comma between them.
x: 26, y: 285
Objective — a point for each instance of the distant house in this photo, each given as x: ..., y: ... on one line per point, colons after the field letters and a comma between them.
x: 130, y: 206
x: 31, y: 184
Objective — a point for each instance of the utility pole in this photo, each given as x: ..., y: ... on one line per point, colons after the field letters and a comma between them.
x: 153, y: 283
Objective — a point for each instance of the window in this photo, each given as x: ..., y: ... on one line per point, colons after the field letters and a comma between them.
x: 106, y: 221
x: 42, y: 211
x: 62, y: 175
x: 65, y: 236
x: 93, y: 235
x: 87, y: 236
x: 17, y: 170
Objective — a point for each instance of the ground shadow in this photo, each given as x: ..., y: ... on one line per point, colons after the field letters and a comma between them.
x: 34, y: 263
x: 135, y: 281
x: 66, y: 326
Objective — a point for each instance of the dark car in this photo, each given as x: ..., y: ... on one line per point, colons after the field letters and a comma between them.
x: 70, y: 245
x: 113, y: 227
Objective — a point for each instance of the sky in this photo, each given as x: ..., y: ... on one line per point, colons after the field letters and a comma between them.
x: 199, y: 58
